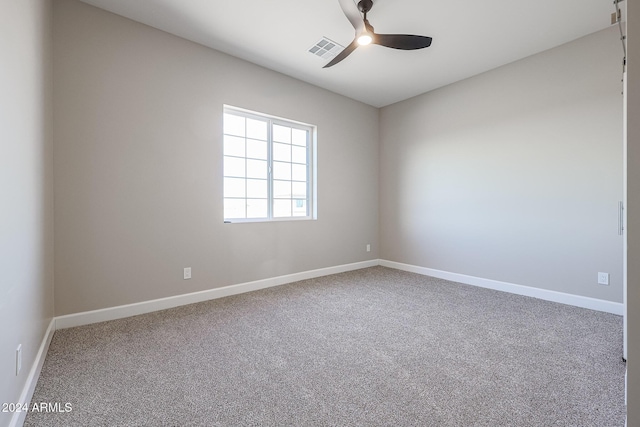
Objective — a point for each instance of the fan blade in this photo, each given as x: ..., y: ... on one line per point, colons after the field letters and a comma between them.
x: 402, y: 41
x: 351, y: 12
x: 345, y: 52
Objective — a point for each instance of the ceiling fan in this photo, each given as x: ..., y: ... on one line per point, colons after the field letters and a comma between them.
x: 365, y: 34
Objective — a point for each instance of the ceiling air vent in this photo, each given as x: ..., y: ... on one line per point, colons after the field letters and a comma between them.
x: 326, y: 49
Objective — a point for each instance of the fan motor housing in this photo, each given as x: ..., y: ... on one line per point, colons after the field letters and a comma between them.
x: 365, y: 6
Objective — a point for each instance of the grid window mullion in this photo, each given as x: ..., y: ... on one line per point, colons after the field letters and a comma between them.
x: 270, y: 169
x: 246, y: 210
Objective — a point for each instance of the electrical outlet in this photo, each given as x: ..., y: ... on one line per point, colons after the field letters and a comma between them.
x: 603, y: 278
x: 187, y: 273
x: 18, y: 359
x: 368, y: 248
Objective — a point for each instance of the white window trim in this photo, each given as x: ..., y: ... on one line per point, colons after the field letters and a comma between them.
x: 311, y: 166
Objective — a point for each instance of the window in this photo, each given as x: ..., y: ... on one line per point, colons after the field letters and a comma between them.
x: 267, y: 167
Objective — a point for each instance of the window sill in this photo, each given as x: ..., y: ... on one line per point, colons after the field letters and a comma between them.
x: 264, y: 220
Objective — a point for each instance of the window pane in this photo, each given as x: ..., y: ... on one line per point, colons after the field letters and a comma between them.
x: 299, y: 207
x: 299, y: 154
x: 299, y: 172
x: 233, y: 166
x: 234, y: 187
x: 234, y: 208
x: 281, y: 170
x: 282, y: 189
x: 282, y: 152
x: 282, y: 134
x: 257, y: 129
x: 257, y: 208
x: 257, y: 188
x: 234, y: 146
x: 256, y: 169
x: 282, y: 207
x: 256, y: 149
x: 234, y: 125
x: 299, y: 137
x: 299, y: 190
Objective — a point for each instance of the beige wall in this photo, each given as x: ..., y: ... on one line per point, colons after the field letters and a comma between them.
x: 512, y: 175
x: 633, y: 212
x: 138, y: 188
x: 26, y: 189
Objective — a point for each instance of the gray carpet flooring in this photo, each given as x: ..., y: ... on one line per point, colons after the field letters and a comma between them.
x: 373, y: 347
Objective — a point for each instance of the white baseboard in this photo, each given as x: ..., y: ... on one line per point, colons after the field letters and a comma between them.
x: 32, y: 379
x: 560, y: 297
x: 119, y: 312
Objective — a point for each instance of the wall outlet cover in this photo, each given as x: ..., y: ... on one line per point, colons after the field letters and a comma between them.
x: 603, y: 278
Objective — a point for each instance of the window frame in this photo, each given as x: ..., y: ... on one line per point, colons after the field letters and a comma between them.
x: 311, y: 189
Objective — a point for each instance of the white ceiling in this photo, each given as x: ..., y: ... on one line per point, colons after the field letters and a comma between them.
x: 469, y: 36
